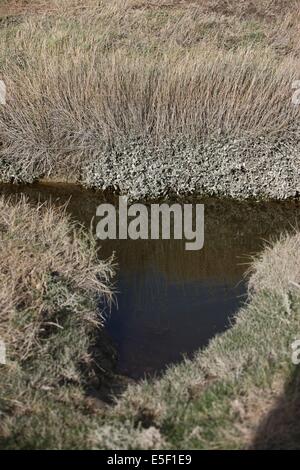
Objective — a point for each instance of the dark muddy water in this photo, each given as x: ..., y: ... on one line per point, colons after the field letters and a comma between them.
x: 171, y: 302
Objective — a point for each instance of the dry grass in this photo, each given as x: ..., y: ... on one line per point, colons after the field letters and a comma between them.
x: 242, y: 391
x: 253, y: 8
x: 40, y: 249
x: 86, y: 76
x: 285, y: 272
x: 228, y: 396
x: 51, y: 282
x: 87, y: 105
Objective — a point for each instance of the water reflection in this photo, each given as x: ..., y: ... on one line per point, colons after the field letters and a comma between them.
x: 172, y: 301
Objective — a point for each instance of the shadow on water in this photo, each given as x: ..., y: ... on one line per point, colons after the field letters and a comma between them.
x: 171, y: 302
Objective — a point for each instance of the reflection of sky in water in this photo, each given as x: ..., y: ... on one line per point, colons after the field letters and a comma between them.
x: 172, y: 301
x: 157, y: 320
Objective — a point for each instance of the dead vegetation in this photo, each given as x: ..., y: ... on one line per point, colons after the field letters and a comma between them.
x: 51, y: 282
x: 242, y: 391
x: 83, y: 77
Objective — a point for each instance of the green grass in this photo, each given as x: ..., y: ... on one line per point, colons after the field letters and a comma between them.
x: 121, y: 76
x: 219, y: 399
x: 51, y: 283
x: 226, y: 397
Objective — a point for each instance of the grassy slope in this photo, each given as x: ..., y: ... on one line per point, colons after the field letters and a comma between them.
x: 52, y: 118
x: 50, y: 284
x: 241, y: 391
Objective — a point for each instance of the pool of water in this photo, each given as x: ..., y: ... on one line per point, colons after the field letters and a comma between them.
x: 170, y: 302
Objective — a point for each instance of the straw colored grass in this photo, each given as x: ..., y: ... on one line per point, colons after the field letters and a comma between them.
x: 86, y: 78
x: 83, y: 77
x: 241, y: 391
x: 51, y: 282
